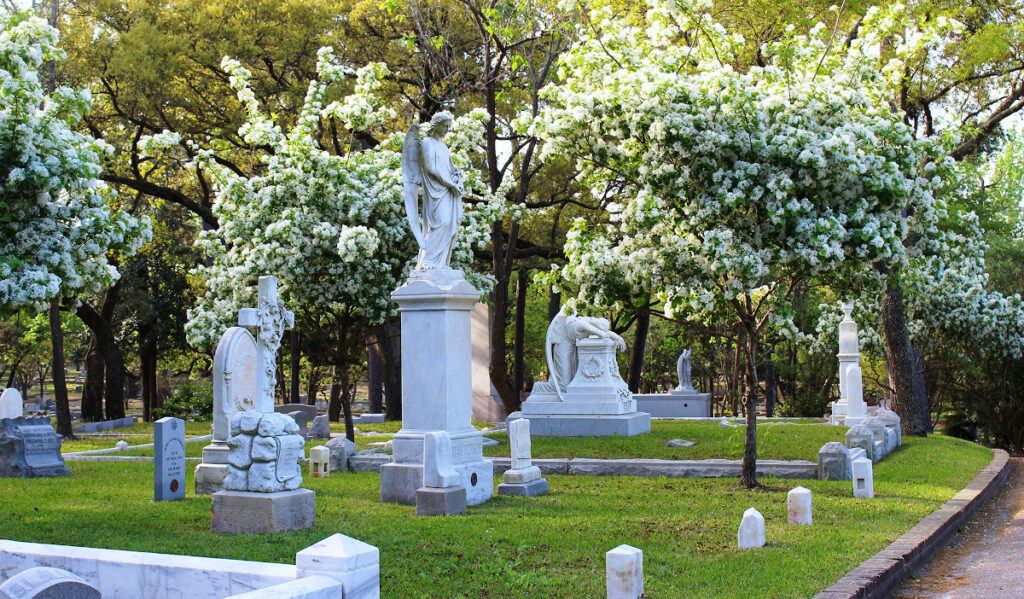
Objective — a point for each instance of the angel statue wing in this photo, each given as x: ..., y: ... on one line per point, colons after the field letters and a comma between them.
x: 556, y: 334
x: 411, y: 177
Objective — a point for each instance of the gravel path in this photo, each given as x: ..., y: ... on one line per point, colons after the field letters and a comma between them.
x: 984, y: 560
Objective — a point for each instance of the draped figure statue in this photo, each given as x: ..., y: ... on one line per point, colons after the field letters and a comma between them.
x: 683, y: 371
x: 427, y: 164
x: 560, y: 345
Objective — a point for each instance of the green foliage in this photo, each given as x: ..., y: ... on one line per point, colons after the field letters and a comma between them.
x: 188, y: 401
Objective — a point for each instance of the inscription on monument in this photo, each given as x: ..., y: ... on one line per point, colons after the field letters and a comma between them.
x: 169, y: 459
x: 42, y: 446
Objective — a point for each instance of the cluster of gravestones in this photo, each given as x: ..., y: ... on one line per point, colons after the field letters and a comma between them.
x: 866, y: 444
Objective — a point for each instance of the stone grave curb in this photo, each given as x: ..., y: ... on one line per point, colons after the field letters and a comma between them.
x: 714, y: 468
x: 116, y: 458
x: 105, y: 425
x: 878, y: 576
x: 95, y: 452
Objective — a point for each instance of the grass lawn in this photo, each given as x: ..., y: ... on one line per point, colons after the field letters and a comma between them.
x: 777, y: 442
x: 138, y: 434
x: 545, y: 547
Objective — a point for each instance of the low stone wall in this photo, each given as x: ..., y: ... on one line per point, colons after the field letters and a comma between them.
x: 878, y: 576
x: 636, y: 467
x: 105, y: 425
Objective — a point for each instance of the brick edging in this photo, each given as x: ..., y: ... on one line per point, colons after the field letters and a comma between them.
x: 879, y: 575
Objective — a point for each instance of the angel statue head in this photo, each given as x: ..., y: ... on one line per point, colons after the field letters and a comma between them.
x: 440, y: 123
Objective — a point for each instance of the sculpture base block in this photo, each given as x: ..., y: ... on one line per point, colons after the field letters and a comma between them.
x: 538, y: 486
x: 450, y: 501
x: 584, y: 425
x: 209, y: 478
x: 399, y: 482
x: 675, y: 405
x: 245, y: 512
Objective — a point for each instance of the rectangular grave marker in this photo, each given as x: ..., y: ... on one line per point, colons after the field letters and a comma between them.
x: 168, y: 459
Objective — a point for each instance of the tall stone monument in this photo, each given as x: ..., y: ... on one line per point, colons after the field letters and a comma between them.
x: 586, y: 396
x: 435, y: 303
x: 850, y: 409
x: 243, y: 377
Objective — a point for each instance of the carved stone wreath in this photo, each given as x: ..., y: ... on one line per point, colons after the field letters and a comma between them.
x: 592, y: 369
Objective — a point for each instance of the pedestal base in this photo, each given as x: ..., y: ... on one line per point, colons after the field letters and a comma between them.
x: 245, y: 512
x: 675, y: 405
x: 209, y: 478
x: 537, y: 486
x: 579, y: 425
x: 399, y: 482
x: 431, y: 501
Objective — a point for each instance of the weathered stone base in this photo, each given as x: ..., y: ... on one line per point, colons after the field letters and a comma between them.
x: 245, y: 512
x: 535, y: 487
x: 209, y: 478
x: 675, y: 405
x: 431, y: 501
x: 576, y: 425
x: 399, y: 482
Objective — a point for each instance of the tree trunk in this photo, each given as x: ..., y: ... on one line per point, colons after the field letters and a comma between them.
x: 293, y: 367
x: 554, y: 305
x: 60, y: 386
x: 113, y: 359
x: 334, y: 405
x: 748, y: 477
x: 900, y: 355
x: 519, y: 332
x: 734, y: 383
x: 92, y: 388
x: 147, y: 370
x: 346, y: 405
x: 280, y: 388
x: 313, y: 386
x: 497, y: 368
x: 389, y: 336
x: 636, y: 355
x: 374, y: 375
x: 770, y: 390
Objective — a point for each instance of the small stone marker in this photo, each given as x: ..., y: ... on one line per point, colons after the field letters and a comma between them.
x: 121, y: 445
x: 321, y: 428
x: 523, y: 478
x: 861, y: 436
x: 441, y: 494
x: 320, y: 462
x: 168, y: 459
x: 341, y: 450
x: 751, y: 532
x: 798, y: 502
x: 624, y: 572
x: 11, y: 404
x: 47, y: 583
x: 680, y: 443
x: 30, y: 448
x: 355, y: 563
x: 863, y: 482
x: 834, y: 462
x: 892, y: 421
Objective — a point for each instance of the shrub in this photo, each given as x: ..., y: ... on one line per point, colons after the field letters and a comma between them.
x: 191, y: 401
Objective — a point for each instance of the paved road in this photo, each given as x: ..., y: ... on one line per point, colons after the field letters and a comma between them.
x: 984, y: 561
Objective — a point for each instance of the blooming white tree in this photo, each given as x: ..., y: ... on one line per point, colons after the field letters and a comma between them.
x: 56, y: 221
x: 737, y: 187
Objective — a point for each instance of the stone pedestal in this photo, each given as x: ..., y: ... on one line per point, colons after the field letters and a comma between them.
x: 675, y: 404
x: 437, y: 389
x: 246, y: 512
x: 596, y: 403
x: 434, y: 501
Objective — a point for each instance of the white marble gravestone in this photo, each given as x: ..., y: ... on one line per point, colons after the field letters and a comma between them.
x: 798, y: 506
x: 234, y: 391
x: 751, y: 532
x: 11, y: 405
x: 863, y: 479
x: 437, y: 391
x: 624, y: 573
x: 168, y: 459
x: 441, y: 493
x: 270, y: 319
x: 523, y: 478
x: 850, y: 409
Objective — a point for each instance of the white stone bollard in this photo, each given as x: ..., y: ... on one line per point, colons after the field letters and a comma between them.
x: 352, y: 562
x: 799, y: 503
x: 751, y: 532
x: 624, y: 572
x: 863, y: 482
x: 320, y: 461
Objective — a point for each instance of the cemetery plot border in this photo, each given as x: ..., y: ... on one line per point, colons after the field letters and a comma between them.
x: 878, y: 576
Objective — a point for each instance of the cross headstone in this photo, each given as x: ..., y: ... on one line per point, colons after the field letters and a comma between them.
x: 168, y: 459
x: 270, y: 318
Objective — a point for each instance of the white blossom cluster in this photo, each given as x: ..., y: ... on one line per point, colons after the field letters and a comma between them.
x: 732, y: 181
x: 56, y: 222
x: 333, y: 229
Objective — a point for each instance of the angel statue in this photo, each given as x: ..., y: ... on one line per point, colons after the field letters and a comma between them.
x: 428, y: 164
x: 560, y: 345
x: 683, y: 371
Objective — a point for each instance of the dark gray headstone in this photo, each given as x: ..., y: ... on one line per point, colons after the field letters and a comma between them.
x: 321, y: 428
x: 30, y: 448
x: 341, y: 450
x: 168, y: 459
x: 301, y: 420
x: 288, y: 408
x: 47, y: 583
x: 834, y: 462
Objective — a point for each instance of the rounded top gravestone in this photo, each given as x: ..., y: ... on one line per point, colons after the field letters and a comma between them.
x: 11, y: 405
x: 234, y: 379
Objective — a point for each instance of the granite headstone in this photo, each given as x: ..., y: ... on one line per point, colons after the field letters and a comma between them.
x: 29, y: 448
x: 168, y: 459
